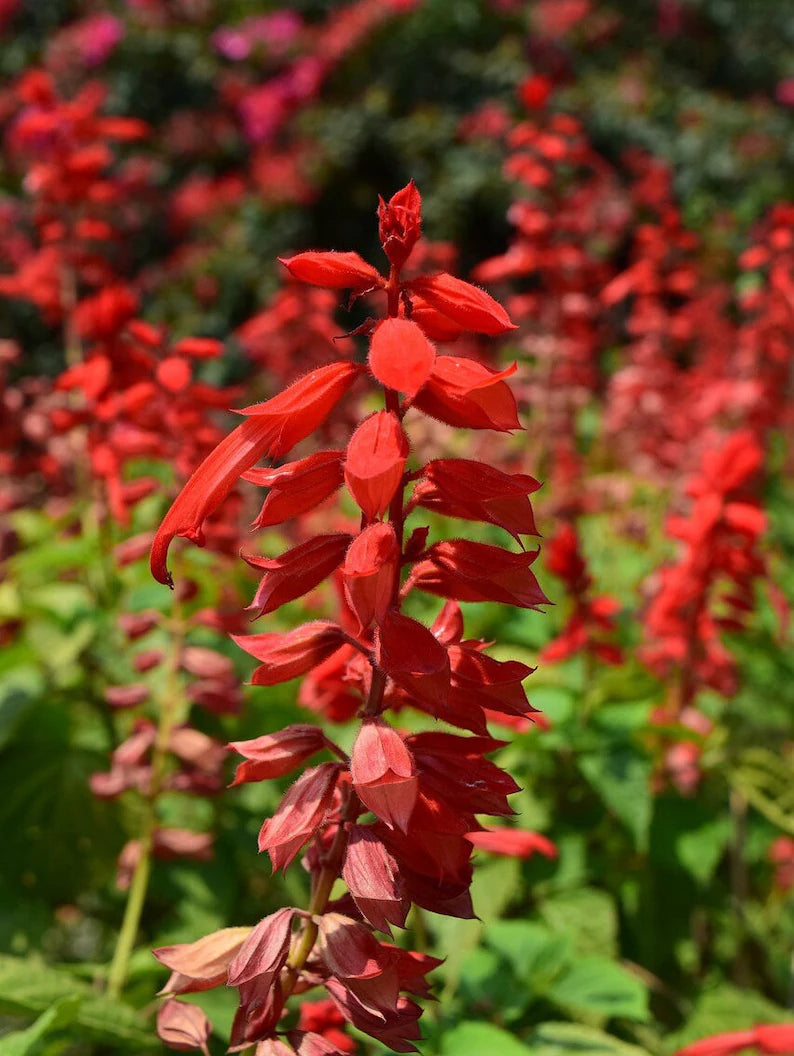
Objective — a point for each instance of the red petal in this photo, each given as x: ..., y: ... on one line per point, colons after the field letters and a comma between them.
x: 513, y: 843
x: 272, y: 428
x: 410, y: 654
x: 334, y: 270
x: 298, y: 487
x: 466, y: 305
x: 383, y: 773
x: 370, y: 572
x: 264, y: 951
x: 400, y: 356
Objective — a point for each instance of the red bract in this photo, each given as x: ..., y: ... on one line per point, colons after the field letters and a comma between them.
x: 427, y: 791
x: 286, y: 656
x: 468, y: 571
x: 183, y: 1027
x: 271, y: 428
x: 468, y: 306
x: 299, y: 815
x: 297, y: 487
x: 463, y: 393
x: 475, y: 491
x: 296, y: 571
x: 276, y: 754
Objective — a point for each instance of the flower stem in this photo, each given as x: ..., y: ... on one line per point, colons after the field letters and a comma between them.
x: 171, y: 703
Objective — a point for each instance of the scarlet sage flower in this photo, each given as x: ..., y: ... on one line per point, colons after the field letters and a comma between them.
x: 427, y: 791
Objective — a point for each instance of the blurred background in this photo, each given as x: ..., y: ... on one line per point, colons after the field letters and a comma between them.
x: 618, y: 175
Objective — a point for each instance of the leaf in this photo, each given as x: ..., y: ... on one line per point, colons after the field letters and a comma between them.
x: 28, y: 987
x: 18, y: 690
x: 588, y: 916
x: 725, y: 1008
x: 686, y: 834
x: 477, y: 1039
x: 488, y: 987
x: 24, y: 1042
x: 533, y: 952
x: 596, y: 985
x: 560, y: 1039
x: 620, y: 775
x: 495, y: 885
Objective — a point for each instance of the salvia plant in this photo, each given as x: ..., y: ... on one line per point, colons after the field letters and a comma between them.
x: 397, y: 818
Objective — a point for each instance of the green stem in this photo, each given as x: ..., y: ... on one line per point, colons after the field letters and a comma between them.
x: 170, y: 713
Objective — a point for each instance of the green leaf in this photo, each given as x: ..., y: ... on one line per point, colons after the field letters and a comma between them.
x: 687, y: 834
x: 561, y: 1039
x: 28, y: 987
x: 18, y: 690
x: 620, y: 775
x: 724, y: 1008
x: 533, y: 952
x: 594, y: 985
x: 479, y: 1039
x: 588, y: 916
x: 60, y: 1015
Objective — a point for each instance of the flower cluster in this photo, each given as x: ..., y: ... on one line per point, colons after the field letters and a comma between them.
x: 425, y: 791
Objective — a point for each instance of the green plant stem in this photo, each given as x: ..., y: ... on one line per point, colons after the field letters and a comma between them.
x: 170, y: 713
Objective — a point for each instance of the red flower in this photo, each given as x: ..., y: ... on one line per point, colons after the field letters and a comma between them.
x: 514, y: 843
x: 469, y: 571
x: 464, y: 393
x: 466, y: 305
x: 182, y: 1026
x: 399, y: 222
x: 271, y: 429
x: 332, y: 269
x: 370, y: 571
x: 276, y: 754
x: 297, y: 487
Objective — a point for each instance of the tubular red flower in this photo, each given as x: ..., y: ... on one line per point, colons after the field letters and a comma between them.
x: 271, y: 429
x: 399, y: 222
x: 512, y: 843
x: 338, y: 271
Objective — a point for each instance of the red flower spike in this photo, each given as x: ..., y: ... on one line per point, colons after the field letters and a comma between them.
x: 469, y: 571
x: 262, y: 955
x: 277, y: 753
x: 201, y: 965
x: 336, y: 271
x: 400, y: 356
x: 271, y: 429
x: 297, y: 487
x: 376, y: 456
x: 466, y: 394
x: 383, y: 773
x: 512, y: 843
x: 296, y: 571
x: 299, y: 815
x: 399, y: 222
x: 370, y: 572
x: 373, y: 879
x: 285, y: 656
x: 413, y: 657
x: 474, y: 491
x: 466, y: 305
x: 182, y: 1026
